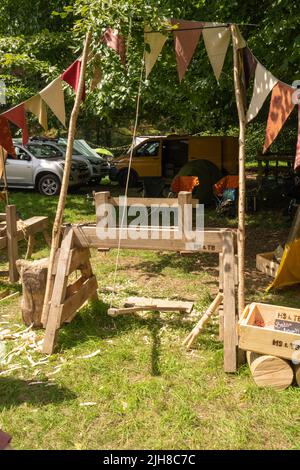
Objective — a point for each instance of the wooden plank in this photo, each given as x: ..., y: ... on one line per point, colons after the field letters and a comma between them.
x: 266, y: 264
x: 229, y: 305
x: 59, y: 292
x: 221, y: 289
x: 2, y: 216
x: 75, y: 301
x: 78, y: 258
x: 160, y: 304
x: 105, y: 196
x: 150, y: 239
x: 12, y: 243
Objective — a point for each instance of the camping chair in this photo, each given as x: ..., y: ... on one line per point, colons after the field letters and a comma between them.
x: 225, y: 193
x: 183, y: 183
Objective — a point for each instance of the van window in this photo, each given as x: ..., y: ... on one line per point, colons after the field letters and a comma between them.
x: 44, y: 151
x: 150, y: 149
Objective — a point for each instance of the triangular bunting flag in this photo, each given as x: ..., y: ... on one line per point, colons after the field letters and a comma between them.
x: 185, y: 43
x: 297, y: 157
x: 5, y: 137
x: 17, y: 116
x: 72, y: 76
x: 37, y: 106
x: 216, y: 41
x: 53, y: 95
x: 97, y: 72
x: 264, y: 82
x: 281, y: 107
x: 156, y: 42
x: 250, y: 64
x: 237, y: 38
x: 115, y: 41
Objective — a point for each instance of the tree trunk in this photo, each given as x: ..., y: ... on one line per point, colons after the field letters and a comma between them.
x: 33, y: 278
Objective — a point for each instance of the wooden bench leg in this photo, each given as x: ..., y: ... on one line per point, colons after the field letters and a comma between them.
x: 47, y: 238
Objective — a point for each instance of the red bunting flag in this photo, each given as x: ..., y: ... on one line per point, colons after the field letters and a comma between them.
x: 72, y: 76
x: 297, y: 158
x: 5, y: 137
x: 115, y: 41
x: 17, y: 116
x: 186, y: 42
x: 280, y: 108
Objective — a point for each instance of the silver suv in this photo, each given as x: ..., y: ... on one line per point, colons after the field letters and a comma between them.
x: 36, y: 167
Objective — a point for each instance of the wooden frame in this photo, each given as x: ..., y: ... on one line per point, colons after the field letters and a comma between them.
x: 79, y: 238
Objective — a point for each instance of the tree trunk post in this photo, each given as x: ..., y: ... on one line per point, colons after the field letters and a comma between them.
x: 242, y: 179
x: 56, y: 232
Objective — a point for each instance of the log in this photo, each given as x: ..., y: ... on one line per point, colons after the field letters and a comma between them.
x: 33, y: 278
x: 297, y: 374
x: 270, y: 371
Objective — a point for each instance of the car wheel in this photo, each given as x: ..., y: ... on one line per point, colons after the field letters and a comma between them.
x: 49, y: 185
x: 122, y: 178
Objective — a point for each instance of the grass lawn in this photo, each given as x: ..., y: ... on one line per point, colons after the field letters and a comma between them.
x: 142, y: 390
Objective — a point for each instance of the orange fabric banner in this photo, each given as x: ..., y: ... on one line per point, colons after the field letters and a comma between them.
x: 185, y: 43
x: 297, y: 157
x: 17, y: 116
x: 281, y: 107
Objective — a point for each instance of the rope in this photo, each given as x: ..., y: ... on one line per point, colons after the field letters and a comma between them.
x: 128, y: 174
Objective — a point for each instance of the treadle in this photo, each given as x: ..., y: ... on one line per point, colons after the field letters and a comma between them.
x: 139, y: 304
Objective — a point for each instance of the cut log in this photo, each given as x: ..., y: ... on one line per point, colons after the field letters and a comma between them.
x: 297, y: 374
x: 270, y: 371
x: 33, y: 278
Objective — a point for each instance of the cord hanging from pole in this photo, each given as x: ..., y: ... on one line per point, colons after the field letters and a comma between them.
x: 138, y: 101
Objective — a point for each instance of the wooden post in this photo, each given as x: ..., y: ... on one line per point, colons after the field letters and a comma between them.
x: 242, y: 177
x: 12, y: 243
x: 56, y: 232
x: 185, y: 213
x: 229, y: 305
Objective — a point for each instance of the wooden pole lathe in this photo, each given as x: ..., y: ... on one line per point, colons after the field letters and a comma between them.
x: 56, y: 232
x: 242, y: 177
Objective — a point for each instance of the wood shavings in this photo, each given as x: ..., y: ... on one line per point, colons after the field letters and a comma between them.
x: 88, y: 403
x: 88, y: 356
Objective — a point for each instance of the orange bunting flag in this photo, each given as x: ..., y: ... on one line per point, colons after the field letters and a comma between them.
x: 297, y: 158
x: 115, y: 41
x: 17, y: 116
x: 5, y: 137
x: 281, y: 107
x: 186, y: 41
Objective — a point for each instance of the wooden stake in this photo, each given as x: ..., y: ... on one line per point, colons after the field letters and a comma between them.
x: 242, y: 178
x: 12, y: 242
x: 189, y: 340
x: 56, y: 232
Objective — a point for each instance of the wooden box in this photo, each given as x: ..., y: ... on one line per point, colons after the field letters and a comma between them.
x: 265, y: 262
x: 270, y: 329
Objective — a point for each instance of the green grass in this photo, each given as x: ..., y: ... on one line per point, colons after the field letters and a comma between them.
x: 148, y: 391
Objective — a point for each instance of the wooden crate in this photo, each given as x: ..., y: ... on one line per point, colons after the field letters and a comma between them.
x: 278, y: 335
x: 265, y: 262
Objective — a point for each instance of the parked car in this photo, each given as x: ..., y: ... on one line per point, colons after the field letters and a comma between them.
x: 36, y: 167
x: 101, y: 166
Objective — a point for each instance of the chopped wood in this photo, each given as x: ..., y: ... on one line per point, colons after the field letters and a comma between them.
x: 88, y: 356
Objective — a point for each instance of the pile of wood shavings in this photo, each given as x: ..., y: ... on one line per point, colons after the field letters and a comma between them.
x: 25, y: 342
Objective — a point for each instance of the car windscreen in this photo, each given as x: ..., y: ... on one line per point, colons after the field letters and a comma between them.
x: 44, y: 151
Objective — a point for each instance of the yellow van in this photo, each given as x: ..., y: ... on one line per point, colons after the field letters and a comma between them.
x: 163, y: 156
